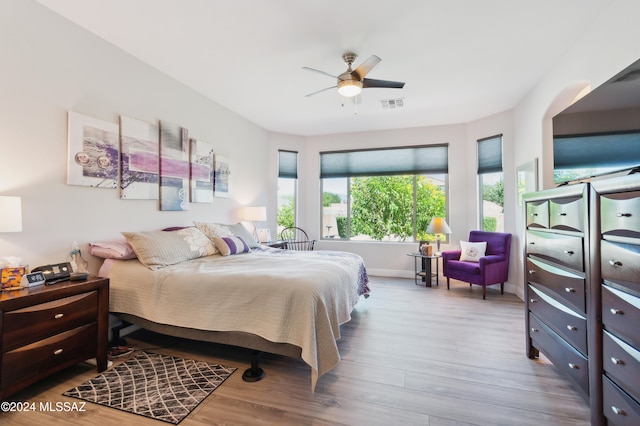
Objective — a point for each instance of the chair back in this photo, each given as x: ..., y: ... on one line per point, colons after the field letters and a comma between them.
x: 497, y: 242
x: 296, y: 239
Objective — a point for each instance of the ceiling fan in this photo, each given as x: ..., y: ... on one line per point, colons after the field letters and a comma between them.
x: 351, y: 82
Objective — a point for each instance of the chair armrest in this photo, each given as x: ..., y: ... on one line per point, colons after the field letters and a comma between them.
x: 451, y: 255
x: 490, y: 259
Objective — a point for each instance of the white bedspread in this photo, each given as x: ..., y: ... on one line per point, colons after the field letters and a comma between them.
x: 300, y: 298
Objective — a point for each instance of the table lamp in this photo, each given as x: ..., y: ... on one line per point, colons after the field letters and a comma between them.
x: 438, y: 226
x: 255, y: 215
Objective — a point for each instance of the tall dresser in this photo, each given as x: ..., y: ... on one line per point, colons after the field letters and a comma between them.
x: 582, y: 287
x: 615, y: 246
x: 558, y: 288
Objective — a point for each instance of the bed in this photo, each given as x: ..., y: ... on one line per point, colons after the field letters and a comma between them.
x: 270, y: 300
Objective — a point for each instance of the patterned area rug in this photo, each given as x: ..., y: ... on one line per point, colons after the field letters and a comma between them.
x: 157, y: 386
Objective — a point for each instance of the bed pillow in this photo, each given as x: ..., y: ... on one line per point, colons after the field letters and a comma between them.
x: 112, y: 249
x: 212, y: 230
x: 228, y: 246
x: 472, y: 252
x: 156, y: 249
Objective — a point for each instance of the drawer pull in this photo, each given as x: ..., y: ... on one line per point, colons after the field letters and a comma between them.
x: 574, y: 366
x: 533, y: 300
x: 532, y: 271
x: 570, y: 289
x: 615, y: 263
x: 623, y: 214
x: 562, y: 214
x: 532, y: 243
x: 572, y: 328
x: 617, y: 361
x: 615, y: 311
x: 534, y: 214
x: 58, y: 351
x: 617, y: 410
x: 569, y: 252
x: 58, y: 316
x: 534, y: 330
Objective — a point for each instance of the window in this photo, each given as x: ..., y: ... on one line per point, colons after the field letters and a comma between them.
x: 386, y: 194
x: 287, y: 188
x: 490, y: 184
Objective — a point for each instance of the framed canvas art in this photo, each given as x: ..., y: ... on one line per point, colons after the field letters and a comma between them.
x: 222, y: 177
x: 174, y: 167
x: 93, y: 152
x: 139, y: 159
x: 201, y: 172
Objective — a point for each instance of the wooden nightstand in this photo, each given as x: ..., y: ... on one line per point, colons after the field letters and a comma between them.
x: 47, y: 328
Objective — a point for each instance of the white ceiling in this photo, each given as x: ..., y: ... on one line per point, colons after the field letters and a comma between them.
x: 461, y: 59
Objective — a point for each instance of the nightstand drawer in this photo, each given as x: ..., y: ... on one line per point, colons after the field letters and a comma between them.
x: 567, y: 214
x: 565, y: 250
x: 619, y: 408
x: 33, y: 323
x: 27, y: 364
x: 564, y: 321
x: 567, y: 360
x: 621, y: 314
x: 568, y: 286
x: 621, y: 362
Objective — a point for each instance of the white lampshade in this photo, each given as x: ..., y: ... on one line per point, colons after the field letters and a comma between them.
x: 438, y: 226
x: 10, y: 214
x: 254, y: 214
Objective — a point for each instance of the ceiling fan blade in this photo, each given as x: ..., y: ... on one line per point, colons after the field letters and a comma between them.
x: 367, y: 66
x: 328, y: 88
x: 318, y: 71
x: 369, y: 82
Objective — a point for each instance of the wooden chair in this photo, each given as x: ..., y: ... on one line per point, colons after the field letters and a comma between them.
x: 296, y: 239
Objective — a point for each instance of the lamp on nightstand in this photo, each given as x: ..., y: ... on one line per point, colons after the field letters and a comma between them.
x: 438, y: 226
x: 255, y: 215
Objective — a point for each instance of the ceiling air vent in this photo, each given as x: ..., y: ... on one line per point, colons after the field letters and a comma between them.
x: 392, y: 103
x: 631, y: 75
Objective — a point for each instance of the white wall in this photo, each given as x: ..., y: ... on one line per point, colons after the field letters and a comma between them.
x: 50, y: 66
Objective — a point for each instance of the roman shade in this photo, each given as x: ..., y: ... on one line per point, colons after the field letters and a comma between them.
x: 490, y: 155
x: 386, y: 161
x: 287, y: 164
x: 607, y: 151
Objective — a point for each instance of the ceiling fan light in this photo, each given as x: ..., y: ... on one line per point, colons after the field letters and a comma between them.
x: 349, y: 88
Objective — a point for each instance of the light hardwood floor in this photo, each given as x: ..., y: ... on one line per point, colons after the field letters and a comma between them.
x: 410, y: 356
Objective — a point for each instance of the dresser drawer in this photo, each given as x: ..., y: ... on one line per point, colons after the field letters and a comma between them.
x: 567, y: 286
x: 620, y: 263
x: 561, y: 249
x: 621, y: 362
x: 619, y: 408
x: 569, y: 362
x: 620, y: 214
x: 27, y: 325
x: 567, y: 323
x: 567, y: 214
x: 538, y: 214
x: 29, y: 363
x: 621, y: 314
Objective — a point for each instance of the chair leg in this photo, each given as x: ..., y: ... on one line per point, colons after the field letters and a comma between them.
x: 447, y: 283
x: 484, y: 292
x: 501, y: 288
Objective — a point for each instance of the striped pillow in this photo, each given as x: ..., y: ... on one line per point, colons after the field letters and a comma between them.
x: 231, y: 245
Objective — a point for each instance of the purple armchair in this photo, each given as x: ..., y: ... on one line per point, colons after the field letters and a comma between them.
x: 493, y: 268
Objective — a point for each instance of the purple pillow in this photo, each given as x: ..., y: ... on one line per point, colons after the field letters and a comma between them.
x: 231, y: 245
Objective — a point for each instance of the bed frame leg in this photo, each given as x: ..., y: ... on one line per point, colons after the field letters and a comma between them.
x: 254, y: 373
x: 116, y: 340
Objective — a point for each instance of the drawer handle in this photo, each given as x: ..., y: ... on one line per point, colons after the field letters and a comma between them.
x: 562, y: 214
x: 534, y: 330
x: 570, y: 289
x: 534, y: 214
x: 615, y: 263
x: 615, y: 311
x: 58, y: 316
x: 617, y: 410
x: 58, y: 351
x: 569, y: 252
x: 574, y: 366
x: 617, y: 361
x: 533, y: 300
x: 623, y: 214
x: 572, y: 328
x: 532, y: 271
